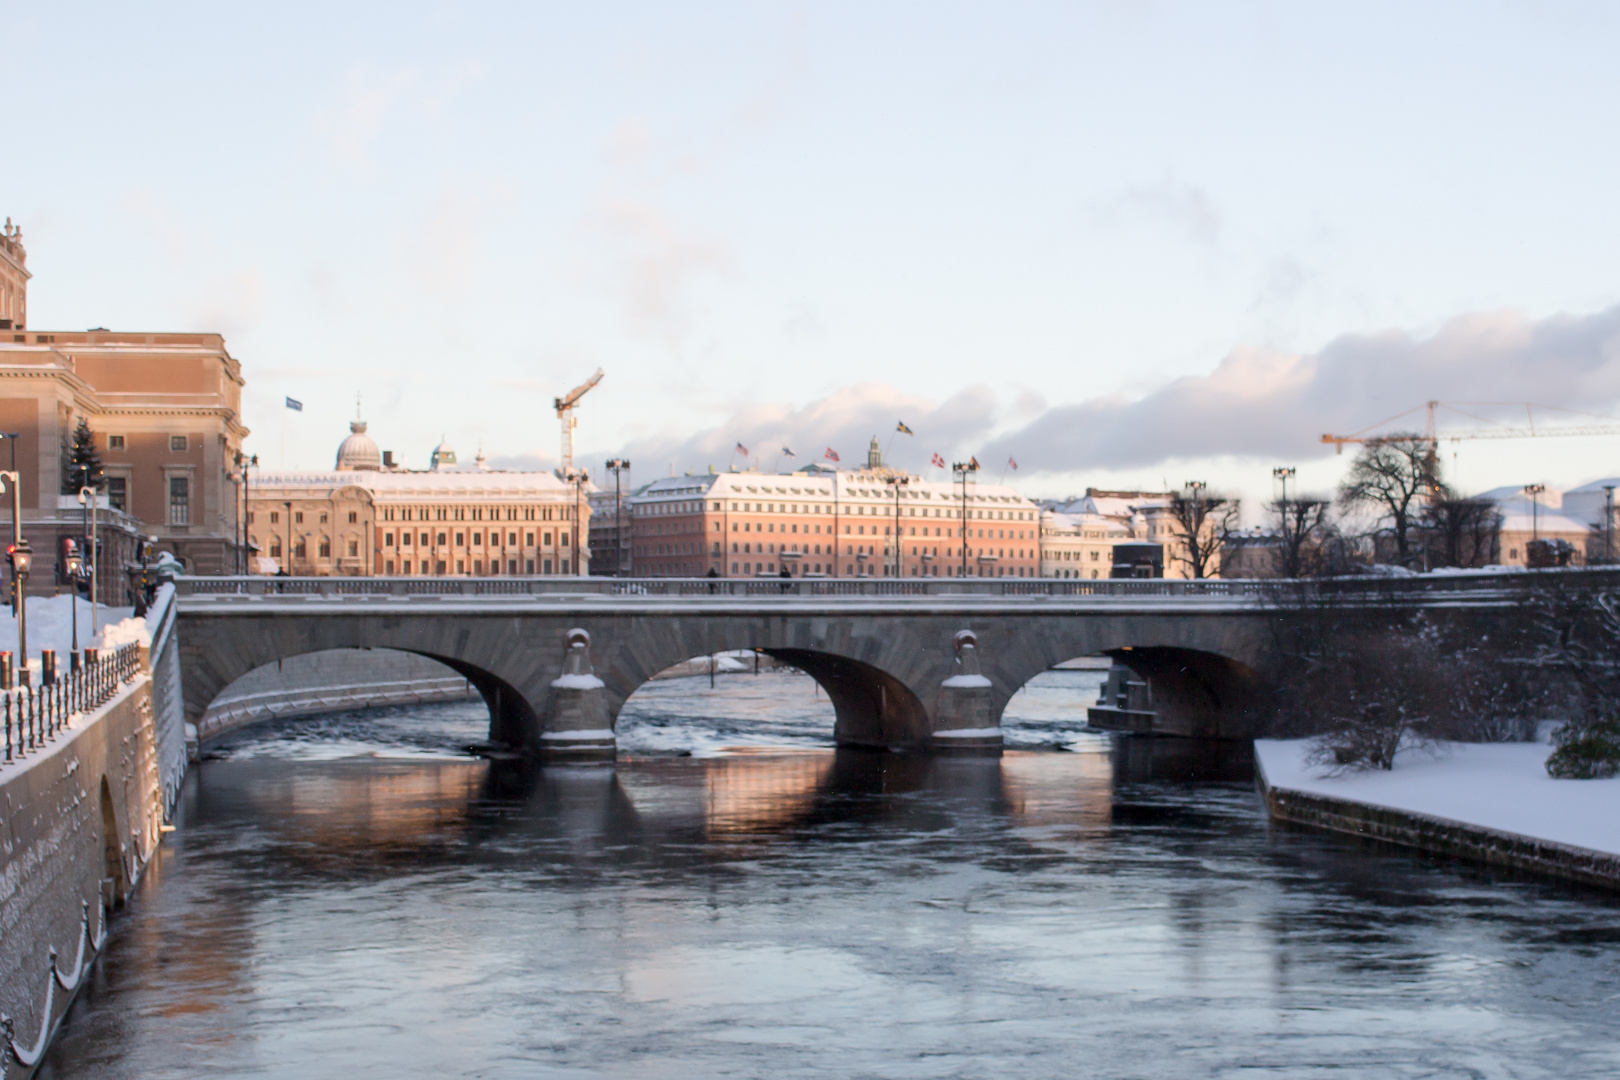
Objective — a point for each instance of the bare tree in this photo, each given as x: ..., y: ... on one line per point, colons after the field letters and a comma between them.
x: 1390, y: 475
x: 1203, y: 524
x: 1461, y: 532
x: 1303, y: 526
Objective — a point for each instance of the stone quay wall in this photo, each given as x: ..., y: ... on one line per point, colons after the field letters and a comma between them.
x: 1440, y: 836
x: 82, y: 817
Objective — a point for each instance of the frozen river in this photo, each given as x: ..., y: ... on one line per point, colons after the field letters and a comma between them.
x: 354, y: 897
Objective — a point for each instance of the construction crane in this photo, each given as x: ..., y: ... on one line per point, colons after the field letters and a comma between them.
x: 1493, y: 430
x: 565, y: 413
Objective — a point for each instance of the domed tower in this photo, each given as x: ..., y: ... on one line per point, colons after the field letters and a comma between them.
x: 443, y: 456
x: 358, y: 452
x: 874, y: 455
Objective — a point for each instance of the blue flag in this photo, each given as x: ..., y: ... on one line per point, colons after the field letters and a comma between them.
x: 295, y: 405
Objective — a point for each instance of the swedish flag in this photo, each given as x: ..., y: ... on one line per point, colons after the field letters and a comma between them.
x: 902, y: 429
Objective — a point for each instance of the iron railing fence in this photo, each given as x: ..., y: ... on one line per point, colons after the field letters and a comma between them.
x: 36, y: 715
x: 1213, y: 588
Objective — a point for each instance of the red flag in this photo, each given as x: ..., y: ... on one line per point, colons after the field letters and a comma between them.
x: 1014, y: 463
x: 973, y: 463
x: 939, y: 462
x: 741, y: 449
x: 832, y: 455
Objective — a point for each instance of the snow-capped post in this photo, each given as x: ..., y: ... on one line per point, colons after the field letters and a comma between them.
x: 964, y: 719
x: 577, y: 724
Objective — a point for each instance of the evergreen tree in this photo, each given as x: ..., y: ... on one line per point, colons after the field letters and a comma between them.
x: 83, y: 467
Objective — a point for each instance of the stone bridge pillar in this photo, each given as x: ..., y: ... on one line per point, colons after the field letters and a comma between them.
x: 966, y: 719
x: 577, y: 724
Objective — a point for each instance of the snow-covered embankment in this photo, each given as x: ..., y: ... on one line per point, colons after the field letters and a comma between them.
x: 1493, y: 802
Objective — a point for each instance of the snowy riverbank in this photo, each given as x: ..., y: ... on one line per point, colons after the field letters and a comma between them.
x: 1499, y: 787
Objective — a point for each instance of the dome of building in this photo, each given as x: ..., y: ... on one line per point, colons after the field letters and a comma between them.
x: 443, y: 456
x: 358, y: 451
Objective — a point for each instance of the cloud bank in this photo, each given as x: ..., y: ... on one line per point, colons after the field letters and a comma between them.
x: 1256, y: 403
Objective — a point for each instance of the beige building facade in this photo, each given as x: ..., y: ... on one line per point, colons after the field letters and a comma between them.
x: 363, y: 520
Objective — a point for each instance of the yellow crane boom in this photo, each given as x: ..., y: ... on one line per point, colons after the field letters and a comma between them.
x: 565, y: 413
x: 1493, y: 430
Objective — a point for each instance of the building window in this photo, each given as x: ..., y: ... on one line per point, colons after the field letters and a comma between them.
x: 548, y: 539
x: 439, y: 567
x: 530, y: 563
x: 179, y: 500
x: 460, y: 540
x: 441, y: 539
x: 177, y: 442
x: 326, y: 547
x: 548, y: 566
x: 511, y: 566
x: 388, y: 567
x: 275, y: 517
x: 275, y: 549
x: 115, y: 442
x: 564, y: 540
x: 528, y: 539
x: 354, y: 548
x: 118, y: 493
x: 323, y: 517
x: 298, y: 517
x: 302, y: 548
x: 354, y: 517
x: 461, y: 567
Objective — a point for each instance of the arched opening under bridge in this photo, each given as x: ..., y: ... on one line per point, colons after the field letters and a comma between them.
x: 328, y: 681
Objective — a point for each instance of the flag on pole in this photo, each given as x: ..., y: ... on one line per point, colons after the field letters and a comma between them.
x: 902, y: 429
x: 832, y: 455
x: 973, y: 463
x: 1014, y: 463
x: 295, y: 405
x: 939, y: 462
x: 788, y: 453
x: 741, y: 449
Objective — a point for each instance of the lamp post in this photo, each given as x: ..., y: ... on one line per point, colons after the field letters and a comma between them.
x: 1533, y: 490
x: 1608, y: 522
x: 618, y: 466
x: 579, y: 477
x: 962, y: 470
x: 897, y: 482
x: 87, y: 499
x: 288, y: 563
x: 20, y: 558
x: 1283, y: 473
x: 73, y: 570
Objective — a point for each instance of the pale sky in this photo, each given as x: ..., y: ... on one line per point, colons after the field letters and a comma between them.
x: 1126, y: 243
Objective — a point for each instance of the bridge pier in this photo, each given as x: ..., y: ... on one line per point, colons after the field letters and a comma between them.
x: 966, y: 719
x: 577, y: 722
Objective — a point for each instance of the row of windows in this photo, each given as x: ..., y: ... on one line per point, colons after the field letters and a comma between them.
x: 477, y: 539
x: 298, y: 517
x: 177, y: 443
x: 409, y: 567
x: 301, y: 547
x: 478, y: 513
x: 848, y: 511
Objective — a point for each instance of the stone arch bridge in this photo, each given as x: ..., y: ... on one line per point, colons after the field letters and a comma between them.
x: 892, y: 656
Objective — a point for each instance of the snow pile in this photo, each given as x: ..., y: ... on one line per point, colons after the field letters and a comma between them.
x: 125, y: 631
x: 50, y: 623
x: 1501, y: 786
